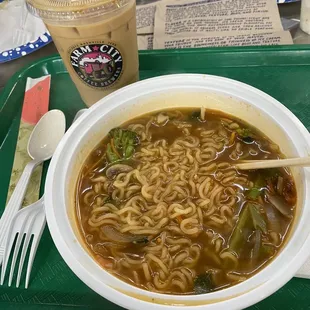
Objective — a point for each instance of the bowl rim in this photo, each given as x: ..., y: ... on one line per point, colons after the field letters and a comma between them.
x: 113, y: 294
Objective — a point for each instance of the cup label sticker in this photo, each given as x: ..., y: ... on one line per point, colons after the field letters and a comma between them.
x: 99, y: 65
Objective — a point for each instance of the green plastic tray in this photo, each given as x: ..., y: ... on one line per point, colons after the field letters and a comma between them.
x: 283, y: 72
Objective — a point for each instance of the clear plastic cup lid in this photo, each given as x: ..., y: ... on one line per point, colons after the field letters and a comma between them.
x: 69, y: 10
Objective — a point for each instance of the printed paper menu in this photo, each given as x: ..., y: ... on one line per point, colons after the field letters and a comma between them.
x: 203, y: 23
x: 216, y: 40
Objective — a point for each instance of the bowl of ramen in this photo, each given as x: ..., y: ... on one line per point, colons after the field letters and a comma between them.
x: 145, y: 204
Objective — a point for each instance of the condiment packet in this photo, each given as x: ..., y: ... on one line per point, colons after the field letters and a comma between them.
x: 35, y: 105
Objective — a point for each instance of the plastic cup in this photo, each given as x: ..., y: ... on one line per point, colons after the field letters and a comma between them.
x: 96, y: 40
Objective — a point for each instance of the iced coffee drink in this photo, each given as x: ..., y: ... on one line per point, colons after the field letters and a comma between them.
x: 97, y: 42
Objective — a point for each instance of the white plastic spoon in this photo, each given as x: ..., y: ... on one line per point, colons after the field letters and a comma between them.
x: 27, y: 222
x: 41, y: 146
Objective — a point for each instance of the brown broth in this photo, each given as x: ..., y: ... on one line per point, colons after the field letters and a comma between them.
x: 223, y: 272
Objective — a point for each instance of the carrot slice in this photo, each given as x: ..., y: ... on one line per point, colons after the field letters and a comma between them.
x: 179, y: 219
x: 232, y: 138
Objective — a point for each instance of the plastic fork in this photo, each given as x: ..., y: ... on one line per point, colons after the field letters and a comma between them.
x: 27, y: 223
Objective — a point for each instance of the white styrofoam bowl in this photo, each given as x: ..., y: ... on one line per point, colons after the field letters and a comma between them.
x: 173, y: 91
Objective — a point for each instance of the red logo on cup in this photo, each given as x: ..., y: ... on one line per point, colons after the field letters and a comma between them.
x: 98, y: 65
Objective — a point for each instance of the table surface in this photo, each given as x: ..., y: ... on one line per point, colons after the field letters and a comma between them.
x: 289, y: 10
